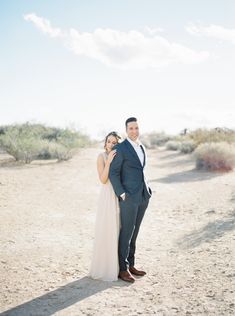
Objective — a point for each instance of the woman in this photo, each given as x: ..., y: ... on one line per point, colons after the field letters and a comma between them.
x: 104, y: 265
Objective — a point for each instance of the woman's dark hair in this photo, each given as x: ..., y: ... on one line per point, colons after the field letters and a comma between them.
x: 114, y: 134
x: 131, y: 119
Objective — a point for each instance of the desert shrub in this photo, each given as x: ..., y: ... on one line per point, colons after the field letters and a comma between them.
x: 215, y: 156
x: 72, y: 139
x: 28, y: 142
x: 45, y: 153
x: 54, y: 150
x: 154, y: 139
x: 2, y: 131
x: 202, y: 135
x: 21, y: 143
x: 60, y: 152
x: 51, y: 133
x: 187, y: 146
x: 173, y: 145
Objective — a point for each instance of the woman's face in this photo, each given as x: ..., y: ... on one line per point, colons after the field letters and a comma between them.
x: 111, y: 141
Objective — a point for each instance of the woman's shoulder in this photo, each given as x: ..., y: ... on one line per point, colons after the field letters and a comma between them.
x: 101, y: 156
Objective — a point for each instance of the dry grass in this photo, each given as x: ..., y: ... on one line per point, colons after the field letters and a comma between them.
x: 202, y: 135
x: 215, y: 156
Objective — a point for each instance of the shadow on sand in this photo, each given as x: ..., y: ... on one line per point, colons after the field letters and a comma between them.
x: 207, y: 233
x: 61, y: 298
x: 192, y: 175
x: 171, y: 155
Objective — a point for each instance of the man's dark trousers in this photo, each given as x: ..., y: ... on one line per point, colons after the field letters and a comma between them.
x: 131, y: 215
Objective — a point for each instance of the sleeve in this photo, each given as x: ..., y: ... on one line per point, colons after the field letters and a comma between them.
x: 115, y: 172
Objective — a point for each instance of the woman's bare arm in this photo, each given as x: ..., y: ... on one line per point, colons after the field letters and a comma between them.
x: 103, y: 166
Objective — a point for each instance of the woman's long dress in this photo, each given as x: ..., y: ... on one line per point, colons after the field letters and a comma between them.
x: 104, y: 264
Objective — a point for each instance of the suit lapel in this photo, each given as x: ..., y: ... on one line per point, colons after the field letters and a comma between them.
x: 133, y: 152
x: 143, y: 150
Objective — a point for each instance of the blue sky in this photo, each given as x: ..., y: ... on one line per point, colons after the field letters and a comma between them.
x: 92, y: 64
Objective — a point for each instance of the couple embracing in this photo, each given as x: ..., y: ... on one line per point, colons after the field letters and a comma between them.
x: 123, y: 199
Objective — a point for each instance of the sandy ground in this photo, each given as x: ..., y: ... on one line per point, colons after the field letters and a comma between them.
x: 186, y: 242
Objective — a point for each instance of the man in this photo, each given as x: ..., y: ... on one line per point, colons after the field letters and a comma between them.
x: 127, y: 177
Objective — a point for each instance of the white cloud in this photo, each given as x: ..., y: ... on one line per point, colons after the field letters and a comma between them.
x: 43, y: 24
x: 213, y: 31
x: 126, y: 50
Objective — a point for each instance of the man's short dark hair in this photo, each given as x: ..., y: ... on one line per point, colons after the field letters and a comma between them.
x: 131, y: 119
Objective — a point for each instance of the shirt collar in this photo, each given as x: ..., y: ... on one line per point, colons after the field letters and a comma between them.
x: 136, y: 143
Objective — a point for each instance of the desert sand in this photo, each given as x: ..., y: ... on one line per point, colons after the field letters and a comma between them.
x: 186, y: 242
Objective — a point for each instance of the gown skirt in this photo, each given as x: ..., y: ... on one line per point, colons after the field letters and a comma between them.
x: 104, y: 264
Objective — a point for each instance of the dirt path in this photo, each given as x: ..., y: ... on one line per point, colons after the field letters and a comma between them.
x: 186, y: 242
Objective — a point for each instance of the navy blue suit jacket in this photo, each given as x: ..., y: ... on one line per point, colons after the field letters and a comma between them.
x: 126, y: 173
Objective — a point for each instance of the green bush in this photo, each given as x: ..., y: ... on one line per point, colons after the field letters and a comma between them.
x: 215, y: 156
x: 71, y: 139
x: 60, y: 152
x: 173, y: 145
x: 28, y: 142
x: 154, y: 139
x: 187, y: 146
x: 21, y: 143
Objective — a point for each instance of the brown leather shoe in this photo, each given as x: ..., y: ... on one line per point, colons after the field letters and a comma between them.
x: 126, y: 276
x: 133, y: 270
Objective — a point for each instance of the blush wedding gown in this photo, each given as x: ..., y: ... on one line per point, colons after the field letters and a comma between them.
x: 104, y: 263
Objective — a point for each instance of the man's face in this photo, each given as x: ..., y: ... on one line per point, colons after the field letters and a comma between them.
x: 132, y: 130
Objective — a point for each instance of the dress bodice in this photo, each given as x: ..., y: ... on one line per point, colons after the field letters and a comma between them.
x: 105, y: 156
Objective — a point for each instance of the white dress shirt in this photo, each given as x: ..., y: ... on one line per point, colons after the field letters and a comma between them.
x: 136, y: 146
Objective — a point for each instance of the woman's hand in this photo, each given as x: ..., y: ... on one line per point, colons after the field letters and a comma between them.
x: 111, y: 155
